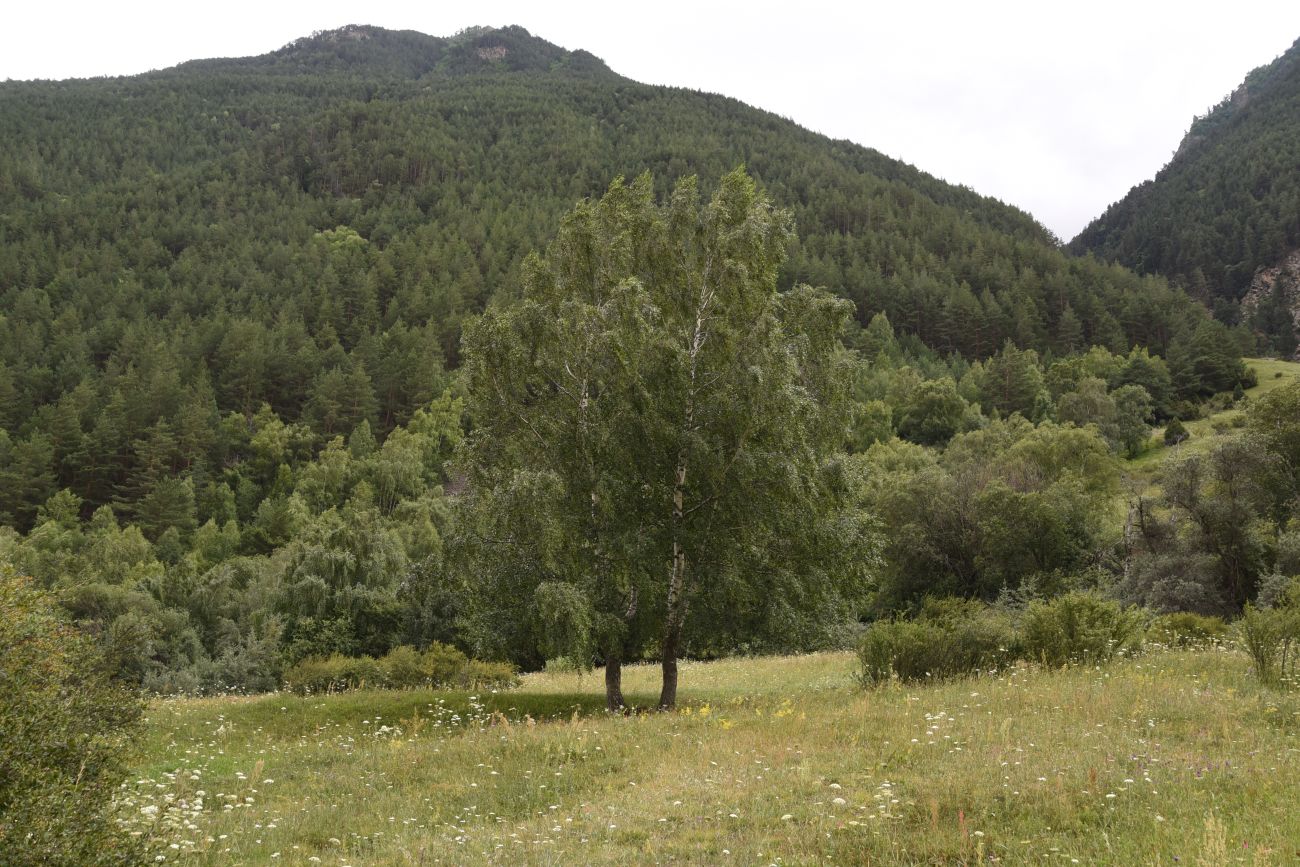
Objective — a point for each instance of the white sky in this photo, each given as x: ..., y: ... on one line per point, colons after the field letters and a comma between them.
x: 1057, y: 108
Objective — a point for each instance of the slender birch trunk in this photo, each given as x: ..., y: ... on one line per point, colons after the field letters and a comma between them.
x: 614, y: 702
x: 677, y: 585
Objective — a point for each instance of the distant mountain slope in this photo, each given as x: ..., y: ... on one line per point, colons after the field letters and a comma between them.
x: 309, y: 228
x: 1226, y: 205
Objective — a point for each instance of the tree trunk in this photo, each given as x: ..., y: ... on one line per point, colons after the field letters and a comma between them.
x: 675, y: 616
x: 614, y: 702
x: 673, y: 619
x: 668, y: 691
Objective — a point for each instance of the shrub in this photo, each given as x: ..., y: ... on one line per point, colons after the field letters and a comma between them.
x: 492, y: 675
x: 405, y: 668
x: 364, y: 671
x: 906, y: 649
x: 951, y: 638
x: 64, y: 732
x: 317, y: 674
x: 444, y: 665
x: 438, y: 667
x: 1079, y: 627
x: 1175, y: 432
x: 1277, y: 590
x: 1186, y: 629
x: 1271, y: 636
x: 562, y: 665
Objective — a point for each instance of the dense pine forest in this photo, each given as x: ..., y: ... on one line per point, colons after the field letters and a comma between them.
x: 1226, y: 206
x: 236, y: 430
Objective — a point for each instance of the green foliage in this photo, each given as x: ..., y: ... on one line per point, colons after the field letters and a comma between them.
x: 1000, y: 506
x: 1274, y: 421
x: 564, y: 616
x: 933, y: 414
x: 1272, y: 638
x: 1012, y: 382
x: 950, y: 639
x: 65, y: 734
x: 1187, y: 629
x: 228, y: 354
x: 314, y: 246
x: 437, y: 667
x: 1133, y: 413
x: 655, y: 429
x: 1079, y: 628
x: 1175, y: 432
x: 1228, y: 496
x: 1224, y: 206
x: 1121, y: 415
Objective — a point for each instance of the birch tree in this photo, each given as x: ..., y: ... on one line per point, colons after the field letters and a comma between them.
x: 655, y: 428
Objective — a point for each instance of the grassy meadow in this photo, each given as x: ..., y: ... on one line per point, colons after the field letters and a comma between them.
x: 1172, y: 757
x: 1271, y: 373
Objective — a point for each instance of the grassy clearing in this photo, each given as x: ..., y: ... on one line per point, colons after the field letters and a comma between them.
x: 1175, y: 755
x: 1271, y: 374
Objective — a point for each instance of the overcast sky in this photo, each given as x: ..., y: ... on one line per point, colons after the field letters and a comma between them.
x: 1057, y: 108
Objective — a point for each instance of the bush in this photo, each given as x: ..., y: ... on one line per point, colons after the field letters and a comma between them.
x: 318, y: 674
x: 1185, y: 629
x: 562, y: 665
x: 1079, y: 627
x: 405, y: 668
x: 64, y: 733
x: 899, y: 648
x: 951, y: 638
x: 1175, y: 432
x: 1272, y: 638
x: 491, y: 675
x: 444, y: 665
x: 364, y: 671
x: 438, y: 667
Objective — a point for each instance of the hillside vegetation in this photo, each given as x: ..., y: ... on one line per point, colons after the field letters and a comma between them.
x: 307, y: 231
x: 1226, y: 205
x: 1270, y: 374
x: 387, y: 360
x: 233, y: 399
x: 1169, y: 757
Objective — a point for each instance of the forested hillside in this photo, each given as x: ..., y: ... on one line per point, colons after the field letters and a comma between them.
x: 1226, y: 205
x: 307, y: 230
x: 231, y: 303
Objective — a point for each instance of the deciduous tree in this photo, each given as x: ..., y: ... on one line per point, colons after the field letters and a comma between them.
x: 654, y: 433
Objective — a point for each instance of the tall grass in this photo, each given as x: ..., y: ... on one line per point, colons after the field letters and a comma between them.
x: 1174, y: 754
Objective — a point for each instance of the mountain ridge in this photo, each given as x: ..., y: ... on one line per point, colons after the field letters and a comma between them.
x: 408, y: 53
x: 301, y: 236
x: 1225, y: 206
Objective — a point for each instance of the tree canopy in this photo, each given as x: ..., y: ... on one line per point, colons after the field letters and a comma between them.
x: 655, y: 432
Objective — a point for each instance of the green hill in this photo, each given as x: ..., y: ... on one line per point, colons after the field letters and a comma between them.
x: 1226, y: 206
x: 308, y: 229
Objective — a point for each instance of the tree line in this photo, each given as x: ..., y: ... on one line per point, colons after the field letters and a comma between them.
x: 650, y: 450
